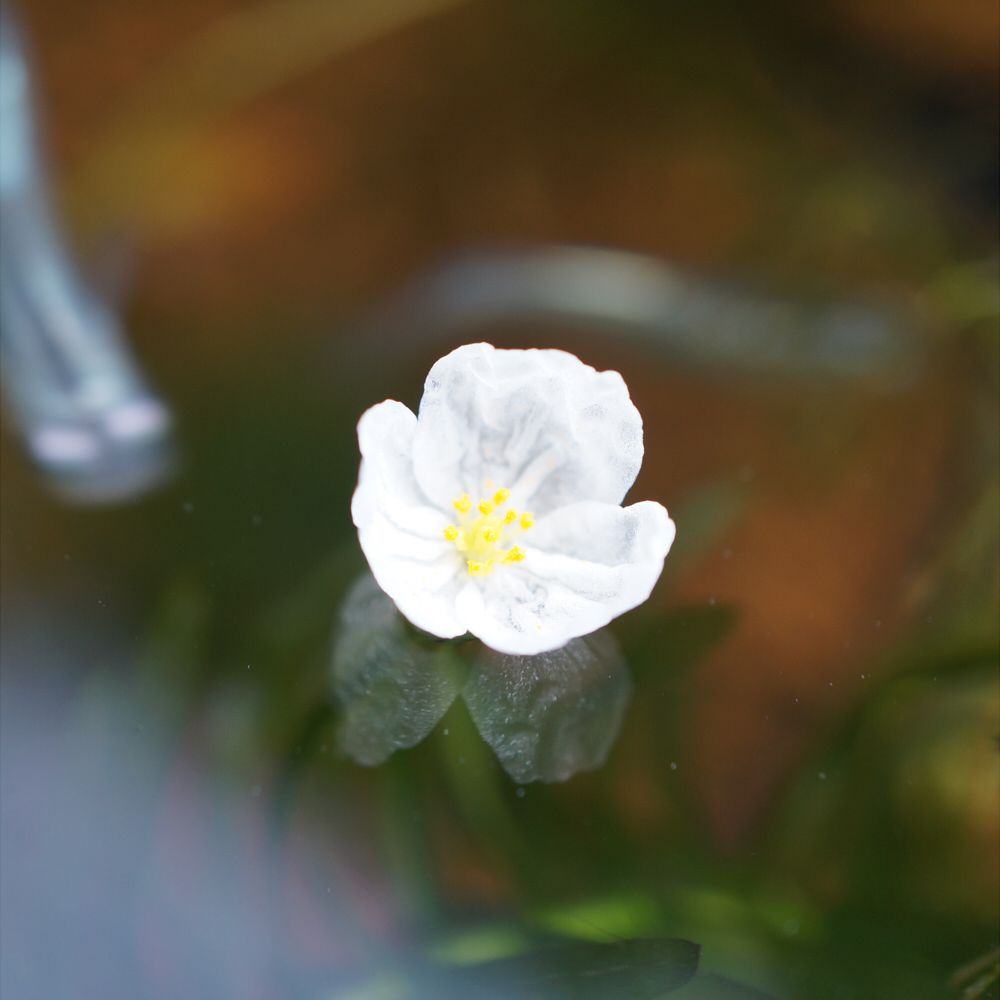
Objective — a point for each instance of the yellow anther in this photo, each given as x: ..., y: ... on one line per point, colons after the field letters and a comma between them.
x: 479, y: 537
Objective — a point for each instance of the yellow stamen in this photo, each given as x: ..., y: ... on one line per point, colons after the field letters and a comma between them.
x: 479, y: 534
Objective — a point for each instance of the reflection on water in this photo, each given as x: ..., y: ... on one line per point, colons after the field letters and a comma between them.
x: 691, y: 322
x: 546, y: 717
x: 86, y: 415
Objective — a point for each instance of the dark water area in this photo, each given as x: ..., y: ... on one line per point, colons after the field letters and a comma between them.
x: 231, y: 769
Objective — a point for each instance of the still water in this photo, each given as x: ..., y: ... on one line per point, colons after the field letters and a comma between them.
x: 230, y: 768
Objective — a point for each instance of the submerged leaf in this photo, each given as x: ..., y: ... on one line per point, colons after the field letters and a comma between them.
x: 642, y: 969
x: 392, y: 688
x: 549, y: 716
x: 714, y: 987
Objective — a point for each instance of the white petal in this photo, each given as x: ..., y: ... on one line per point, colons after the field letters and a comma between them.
x: 585, y: 564
x: 400, y: 533
x: 542, y: 423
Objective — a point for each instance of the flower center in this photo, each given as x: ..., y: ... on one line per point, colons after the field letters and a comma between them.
x: 483, y: 532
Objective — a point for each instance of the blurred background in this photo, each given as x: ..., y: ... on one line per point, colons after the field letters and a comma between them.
x: 779, y: 222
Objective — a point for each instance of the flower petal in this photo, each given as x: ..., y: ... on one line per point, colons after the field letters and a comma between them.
x: 400, y: 533
x: 542, y: 423
x: 586, y: 564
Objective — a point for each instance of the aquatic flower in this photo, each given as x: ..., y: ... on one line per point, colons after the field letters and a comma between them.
x: 497, y: 510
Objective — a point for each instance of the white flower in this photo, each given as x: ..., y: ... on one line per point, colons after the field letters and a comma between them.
x: 496, y: 511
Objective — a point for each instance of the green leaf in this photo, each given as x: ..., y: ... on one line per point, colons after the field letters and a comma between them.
x: 639, y: 969
x: 392, y: 689
x: 550, y: 716
x: 719, y: 988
